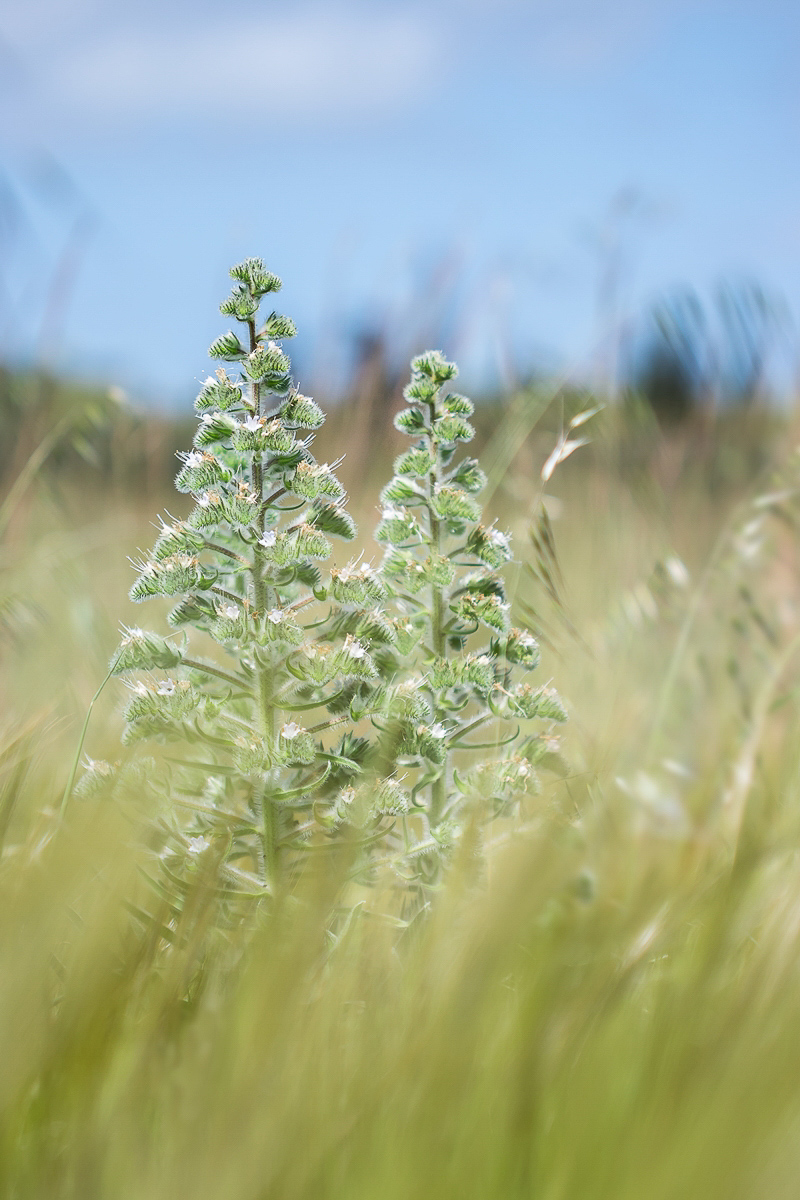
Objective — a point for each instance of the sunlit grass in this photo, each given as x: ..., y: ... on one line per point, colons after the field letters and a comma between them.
x: 608, y: 1008
x: 613, y: 1015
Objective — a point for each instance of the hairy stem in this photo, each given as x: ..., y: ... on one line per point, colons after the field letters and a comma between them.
x: 439, y: 785
x: 261, y: 599
x: 195, y: 665
x: 229, y: 553
x: 221, y: 591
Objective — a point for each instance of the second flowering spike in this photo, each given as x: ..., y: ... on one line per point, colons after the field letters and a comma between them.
x: 464, y: 732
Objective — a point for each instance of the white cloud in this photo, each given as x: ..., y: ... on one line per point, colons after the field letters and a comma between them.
x: 89, y: 64
x: 317, y: 61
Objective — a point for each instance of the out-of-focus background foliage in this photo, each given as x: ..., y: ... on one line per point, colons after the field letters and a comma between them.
x: 585, y: 204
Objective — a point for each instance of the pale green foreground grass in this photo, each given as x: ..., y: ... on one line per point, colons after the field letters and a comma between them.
x: 612, y: 1010
x: 532, y: 1040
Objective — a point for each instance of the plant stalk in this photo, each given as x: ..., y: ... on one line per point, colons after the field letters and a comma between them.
x: 261, y: 600
x: 439, y: 785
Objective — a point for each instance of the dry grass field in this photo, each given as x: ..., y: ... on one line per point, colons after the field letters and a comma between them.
x: 606, y: 1008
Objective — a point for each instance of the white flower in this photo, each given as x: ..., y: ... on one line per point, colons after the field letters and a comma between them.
x: 496, y: 538
x: 204, y: 501
x: 353, y: 570
x: 166, y: 688
x: 208, y: 418
x: 438, y: 730
x: 230, y: 611
x: 390, y: 512
x: 353, y: 647
x: 194, y: 459
x: 268, y: 539
x: 197, y: 845
x: 274, y: 348
x: 275, y: 616
x: 209, y: 381
x: 251, y: 423
x: 290, y: 730
x: 132, y: 635
x: 526, y: 640
x: 141, y: 689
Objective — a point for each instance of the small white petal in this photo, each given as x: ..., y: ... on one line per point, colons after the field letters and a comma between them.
x: 354, y: 648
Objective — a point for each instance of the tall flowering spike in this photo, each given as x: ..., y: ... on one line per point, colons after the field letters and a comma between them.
x: 262, y: 675
x: 464, y: 731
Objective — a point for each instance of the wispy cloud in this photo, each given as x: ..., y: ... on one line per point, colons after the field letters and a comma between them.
x: 316, y: 61
x: 90, y: 64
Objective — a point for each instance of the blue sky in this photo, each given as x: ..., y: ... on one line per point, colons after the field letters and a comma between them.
x: 468, y: 170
